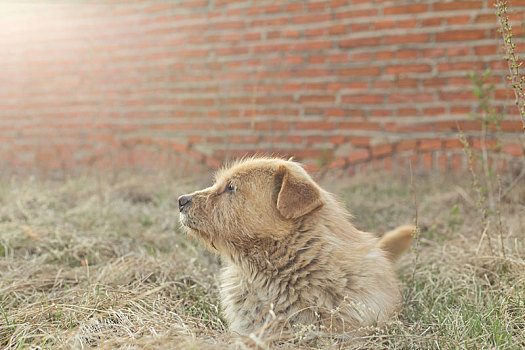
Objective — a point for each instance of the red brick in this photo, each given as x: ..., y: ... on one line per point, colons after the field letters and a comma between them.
x: 337, y: 163
x: 384, y: 24
x: 316, y: 6
x: 292, y: 33
x: 362, y: 56
x: 486, y: 50
x: 431, y: 22
x: 338, y: 3
x: 362, y: 98
x: 230, y: 25
x: 514, y: 149
x: 462, y: 66
x: 405, y: 9
x: 335, y: 112
x: 491, y: 145
x: 291, y: 60
x: 486, y: 18
x: 469, y: 125
x: 359, y: 141
x: 511, y: 125
x: 354, y: 13
x: 312, y: 73
x: 460, y: 51
x: 237, y: 125
x: 273, y: 8
x: 358, y: 155
x: 407, y: 83
x: 281, y: 21
x: 384, y: 55
x: 317, y: 17
x: 406, y: 39
x: 460, y: 81
x: 414, y: 68
x: 274, y: 34
x: 314, y: 139
x: 292, y: 86
x: 359, y: 42
x: 361, y: 27
x: 381, y: 150
x: 315, y: 125
x: 340, y: 86
x: 498, y: 65
x: 337, y: 29
x: 315, y: 86
x: 294, y: 7
x: 381, y: 113
x: 503, y: 94
x: 317, y: 99
x: 407, y: 54
x: 433, y: 53
x: 456, y: 162
x: 428, y: 161
x: 457, y: 96
x: 442, y: 161
x: 407, y: 23
x: 430, y: 144
x: 462, y: 35
x: 360, y: 71
x: 383, y: 85
x: 312, y: 45
x: 314, y: 32
x: 410, y: 97
x: 455, y: 20
x: 458, y: 5
x: 405, y: 145
x: 460, y: 109
x: 337, y: 139
x: 233, y: 50
x: 434, y: 82
x: 159, y: 7
x: 360, y: 126
x: 432, y: 111
x: 294, y: 139
x: 453, y: 144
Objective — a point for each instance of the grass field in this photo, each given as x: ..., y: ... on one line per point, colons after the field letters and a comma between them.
x: 100, y: 261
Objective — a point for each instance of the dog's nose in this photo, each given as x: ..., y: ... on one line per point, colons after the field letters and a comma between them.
x: 183, y: 201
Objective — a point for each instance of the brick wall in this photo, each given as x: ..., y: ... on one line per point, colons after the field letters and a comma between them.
x: 348, y: 84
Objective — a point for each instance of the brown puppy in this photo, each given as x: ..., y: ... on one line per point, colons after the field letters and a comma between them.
x: 291, y: 255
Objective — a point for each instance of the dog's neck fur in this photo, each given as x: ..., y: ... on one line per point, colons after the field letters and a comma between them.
x: 268, y: 254
x: 274, y: 256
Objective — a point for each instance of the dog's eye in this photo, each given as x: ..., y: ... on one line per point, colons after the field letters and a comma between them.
x: 231, y: 187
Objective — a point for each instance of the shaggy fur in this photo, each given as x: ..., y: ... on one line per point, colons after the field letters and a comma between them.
x: 291, y: 254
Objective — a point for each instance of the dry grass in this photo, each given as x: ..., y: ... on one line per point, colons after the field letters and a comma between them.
x: 101, y: 262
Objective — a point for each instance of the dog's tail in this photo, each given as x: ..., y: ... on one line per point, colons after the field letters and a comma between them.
x: 395, y: 242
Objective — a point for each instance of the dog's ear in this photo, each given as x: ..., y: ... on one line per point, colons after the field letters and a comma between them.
x: 298, y: 195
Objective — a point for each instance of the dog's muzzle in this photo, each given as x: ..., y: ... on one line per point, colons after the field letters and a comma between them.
x: 184, y: 202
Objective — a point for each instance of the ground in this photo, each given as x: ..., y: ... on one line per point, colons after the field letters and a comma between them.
x: 99, y: 260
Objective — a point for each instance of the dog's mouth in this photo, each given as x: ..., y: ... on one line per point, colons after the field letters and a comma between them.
x: 195, y: 231
x: 185, y: 220
x: 188, y: 222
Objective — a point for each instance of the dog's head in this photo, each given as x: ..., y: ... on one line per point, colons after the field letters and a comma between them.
x: 253, y: 200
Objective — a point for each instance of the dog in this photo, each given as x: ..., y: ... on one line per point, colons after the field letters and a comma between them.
x: 291, y: 255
